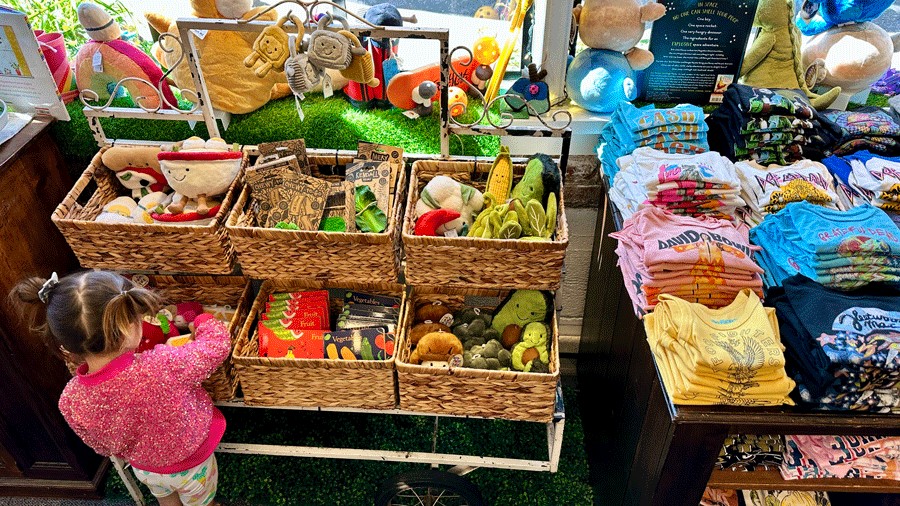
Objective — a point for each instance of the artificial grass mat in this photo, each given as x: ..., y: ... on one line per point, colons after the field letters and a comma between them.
x: 264, y: 480
x: 329, y: 124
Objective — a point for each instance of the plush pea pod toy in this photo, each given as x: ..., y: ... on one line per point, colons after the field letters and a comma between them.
x: 535, y: 220
x: 552, y: 211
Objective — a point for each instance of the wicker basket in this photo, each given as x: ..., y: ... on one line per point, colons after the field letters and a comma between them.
x: 362, y: 384
x: 231, y: 291
x: 511, y: 395
x: 268, y: 253
x: 477, y: 262
x: 134, y: 246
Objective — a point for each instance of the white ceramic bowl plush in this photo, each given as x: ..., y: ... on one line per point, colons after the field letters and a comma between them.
x: 199, y: 171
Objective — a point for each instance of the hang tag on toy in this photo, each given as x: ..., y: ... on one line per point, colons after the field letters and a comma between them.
x: 200, y: 34
x: 140, y: 280
x: 411, y: 114
x: 455, y: 361
x: 299, y: 109
x: 451, y: 233
x: 97, y: 62
x: 327, y: 87
x: 389, y: 69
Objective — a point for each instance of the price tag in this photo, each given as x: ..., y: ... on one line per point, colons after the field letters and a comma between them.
x: 140, y: 280
x: 97, y: 62
x: 451, y: 233
x: 327, y: 87
x: 411, y: 114
x: 200, y: 34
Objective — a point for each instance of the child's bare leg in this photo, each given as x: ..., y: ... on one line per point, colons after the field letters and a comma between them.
x: 170, y: 500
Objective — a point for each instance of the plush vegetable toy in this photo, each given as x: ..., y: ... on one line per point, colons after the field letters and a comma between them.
x: 199, y: 171
x: 522, y: 307
x: 420, y: 329
x: 599, y: 78
x: 478, y: 331
x: 773, y: 61
x: 106, y: 59
x: 433, y: 223
x: 137, y: 168
x: 171, y: 321
x: 436, y: 346
x: 491, y: 356
x: 230, y: 88
x: 499, y: 181
x: 443, y: 192
x: 434, y: 313
x: 532, y: 354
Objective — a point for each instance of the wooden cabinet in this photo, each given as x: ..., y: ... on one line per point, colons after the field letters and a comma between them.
x: 39, y: 454
x: 660, y: 454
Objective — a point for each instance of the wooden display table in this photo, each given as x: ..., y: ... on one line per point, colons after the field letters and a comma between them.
x: 39, y: 454
x: 662, y: 454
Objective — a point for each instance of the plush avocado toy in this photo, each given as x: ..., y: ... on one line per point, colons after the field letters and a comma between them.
x: 532, y: 354
x: 490, y: 356
x: 522, y: 307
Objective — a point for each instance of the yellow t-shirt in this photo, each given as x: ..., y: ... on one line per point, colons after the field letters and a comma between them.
x: 732, y: 355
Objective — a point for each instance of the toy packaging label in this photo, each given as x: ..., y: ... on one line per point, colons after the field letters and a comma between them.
x: 369, y: 151
x: 340, y: 203
x: 359, y: 344
x: 302, y: 202
x: 296, y: 147
x: 366, y: 309
x: 305, y: 311
x: 698, y: 50
x: 285, y: 343
x: 375, y: 175
x: 298, y: 295
x: 351, y: 297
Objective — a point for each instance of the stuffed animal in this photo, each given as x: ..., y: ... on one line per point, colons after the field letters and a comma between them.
x: 434, y: 313
x: 271, y: 48
x: 137, y: 168
x: 443, y: 192
x: 817, y: 16
x: 171, y: 321
x: 478, y: 331
x: 530, y: 89
x: 491, y: 355
x: 124, y: 209
x: 855, y: 56
x: 420, y: 329
x: 436, y: 346
x: 532, y: 354
x: 522, y: 307
x: 106, y: 59
x: 229, y: 87
x: 603, y: 75
x: 199, y: 171
x: 384, y: 53
x: 773, y: 60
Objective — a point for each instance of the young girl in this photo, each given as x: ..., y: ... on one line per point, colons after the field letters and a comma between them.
x: 146, y: 408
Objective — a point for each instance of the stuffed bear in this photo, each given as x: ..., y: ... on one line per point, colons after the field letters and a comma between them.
x: 443, y: 192
x: 137, y: 168
x: 230, y: 88
x: 603, y: 75
x: 437, y: 347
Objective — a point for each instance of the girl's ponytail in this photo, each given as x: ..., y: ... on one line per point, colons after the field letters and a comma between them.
x: 25, y: 298
x: 124, y: 310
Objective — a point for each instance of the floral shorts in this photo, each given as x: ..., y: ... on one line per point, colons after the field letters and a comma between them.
x: 195, y: 487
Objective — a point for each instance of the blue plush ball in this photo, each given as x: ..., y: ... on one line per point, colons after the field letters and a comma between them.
x: 599, y: 79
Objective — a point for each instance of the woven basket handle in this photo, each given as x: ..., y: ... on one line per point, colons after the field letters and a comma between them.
x: 70, y: 203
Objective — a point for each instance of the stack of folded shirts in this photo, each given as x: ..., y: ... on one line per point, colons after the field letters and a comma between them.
x: 704, y: 260
x: 840, y: 249
x: 842, y: 346
x: 867, y: 177
x: 732, y: 355
x: 871, y: 128
x: 768, y: 125
x: 749, y: 452
x: 785, y: 498
x: 680, y: 129
x: 688, y: 184
x: 768, y: 189
x: 841, y: 457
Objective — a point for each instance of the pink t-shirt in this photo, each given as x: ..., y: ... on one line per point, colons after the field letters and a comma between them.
x: 150, y: 408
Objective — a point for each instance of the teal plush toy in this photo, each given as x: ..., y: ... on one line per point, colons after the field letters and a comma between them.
x: 521, y: 308
x: 532, y: 354
x: 599, y: 79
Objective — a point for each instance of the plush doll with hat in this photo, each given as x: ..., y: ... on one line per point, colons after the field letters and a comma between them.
x: 855, y: 52
x: 198, y: 171
x: 106, y: 59
x: 137, y: 168
x: 773, y: 60
x: 603, y: 75
x: 229, y: 87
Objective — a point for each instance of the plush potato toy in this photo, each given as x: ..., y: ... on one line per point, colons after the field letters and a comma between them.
x: 436, y: 346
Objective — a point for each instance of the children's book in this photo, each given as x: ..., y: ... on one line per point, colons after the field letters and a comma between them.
x: 26, y: 84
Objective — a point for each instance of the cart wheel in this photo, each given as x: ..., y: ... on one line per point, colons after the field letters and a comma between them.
x: 428, y: 488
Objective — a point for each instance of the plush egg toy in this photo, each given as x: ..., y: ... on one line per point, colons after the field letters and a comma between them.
x: 199, y: 171
x: 457, y: 101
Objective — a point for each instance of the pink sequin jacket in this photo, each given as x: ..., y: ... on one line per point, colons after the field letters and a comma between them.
x: 149, y: 408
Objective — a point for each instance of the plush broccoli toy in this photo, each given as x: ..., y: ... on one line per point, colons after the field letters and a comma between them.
x: 490, y: 356
x: 473, y: 327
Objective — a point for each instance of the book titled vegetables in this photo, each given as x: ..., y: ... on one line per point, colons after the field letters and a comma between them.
x: 359, y: 344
